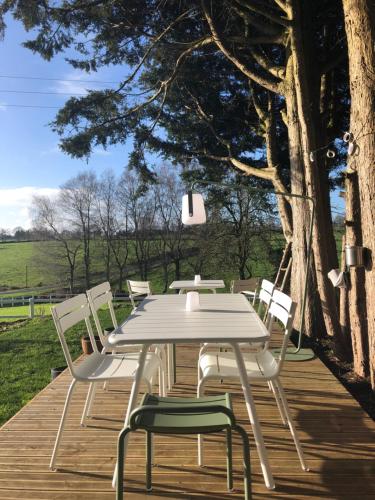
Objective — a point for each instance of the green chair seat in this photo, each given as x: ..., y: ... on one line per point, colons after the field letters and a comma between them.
x: 201, y: 422
x: 163, y: 415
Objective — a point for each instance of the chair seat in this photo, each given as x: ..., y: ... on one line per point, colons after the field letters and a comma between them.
x: 115, y: 366
x: 194, y: 423
x: 219, y: 365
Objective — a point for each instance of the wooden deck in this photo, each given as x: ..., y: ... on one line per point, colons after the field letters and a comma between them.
x: 338, y: 439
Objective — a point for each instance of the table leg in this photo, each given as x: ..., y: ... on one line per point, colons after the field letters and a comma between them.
x: 262, y: 452
x: 133, y: 398
x: 170, y: 366
x: 174, y: 351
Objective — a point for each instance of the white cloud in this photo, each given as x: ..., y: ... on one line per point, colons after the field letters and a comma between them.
x: 72, y: 84
x: 15, y: 204
x: 3, y: 106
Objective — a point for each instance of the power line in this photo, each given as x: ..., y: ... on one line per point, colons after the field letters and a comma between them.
x: 55, y: 79
x: 41, y: 92
x: 5, y: 105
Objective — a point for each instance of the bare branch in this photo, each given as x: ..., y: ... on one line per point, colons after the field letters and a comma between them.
x: 208, y: 121
x: 282, y: 5
x: 265, y: 63
x: 256, y: 22
x: 264, y: 81
x: 152, y: 45
x: 263, y: 11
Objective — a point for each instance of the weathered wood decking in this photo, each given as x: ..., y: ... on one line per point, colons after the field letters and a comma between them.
x: 338, y: 439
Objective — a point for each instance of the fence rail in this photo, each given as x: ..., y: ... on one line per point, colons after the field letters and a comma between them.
x: 31, y: 302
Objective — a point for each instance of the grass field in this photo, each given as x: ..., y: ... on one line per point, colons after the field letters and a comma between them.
x: 27, y: 354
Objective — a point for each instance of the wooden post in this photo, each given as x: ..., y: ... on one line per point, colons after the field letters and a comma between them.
x: 31, y: 306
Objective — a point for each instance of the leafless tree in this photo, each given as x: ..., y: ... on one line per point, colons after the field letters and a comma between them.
x: 140, y: 209
x: 77, y: 199
x: 168, y: 193
x: 112, y: 218
x: 48, y: 216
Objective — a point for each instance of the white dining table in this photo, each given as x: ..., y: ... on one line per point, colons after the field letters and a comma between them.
x: 222, y: 318
x: 189, y: 285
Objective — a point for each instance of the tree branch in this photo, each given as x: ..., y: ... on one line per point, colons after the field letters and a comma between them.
x: 266, y: 64
x: 260, y: 9
x: 264, y: 81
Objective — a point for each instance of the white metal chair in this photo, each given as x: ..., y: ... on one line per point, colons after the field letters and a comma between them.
x: 248, y: 287
x: 96, y: 367
x: 264, y: 298
x: 143, y: 288
x: 261, y: 365
x: 138, y: 288
x: 101, y: 295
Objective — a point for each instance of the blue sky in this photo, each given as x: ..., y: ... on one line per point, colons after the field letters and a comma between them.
x: 30, y: 158
x: 29, y: 154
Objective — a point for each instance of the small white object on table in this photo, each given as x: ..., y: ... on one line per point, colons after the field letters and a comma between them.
x: 187, y: 285
x: 222, y: 318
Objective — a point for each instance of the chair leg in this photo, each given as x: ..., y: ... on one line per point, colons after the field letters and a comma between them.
x: 200, y: 393
x: 148, y: 461
x: 62, y: 424
x: 88, y: 404
x: 246, y: 460
x: 169, y: 363
x: 229, y: 460
x: 291, y: 425
x: 278, y: 402
x: 120, y: 463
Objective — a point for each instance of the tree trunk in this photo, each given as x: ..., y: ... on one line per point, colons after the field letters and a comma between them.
x: 308, y: 117
x: 356, y: 292
x: 360, y: 31
x: 300, y: 212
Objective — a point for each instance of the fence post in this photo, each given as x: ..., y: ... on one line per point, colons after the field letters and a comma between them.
x: 31, y: 306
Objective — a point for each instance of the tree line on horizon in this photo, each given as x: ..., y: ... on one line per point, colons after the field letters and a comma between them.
x: 114, y: 226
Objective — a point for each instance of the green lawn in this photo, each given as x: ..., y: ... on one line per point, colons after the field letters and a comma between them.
x: 39, y: 310
x: 27, y: 354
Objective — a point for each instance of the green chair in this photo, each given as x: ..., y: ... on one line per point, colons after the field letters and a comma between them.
x: 163, y: 415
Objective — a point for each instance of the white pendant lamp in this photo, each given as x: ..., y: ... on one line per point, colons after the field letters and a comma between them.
x: 193, y: 211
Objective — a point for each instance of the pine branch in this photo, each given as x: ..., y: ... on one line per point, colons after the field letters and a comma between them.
x: 267, y: 82
x: 263, y: 11
x: 266, y: 64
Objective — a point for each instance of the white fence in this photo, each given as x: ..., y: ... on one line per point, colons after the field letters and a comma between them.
x: 31, y: 302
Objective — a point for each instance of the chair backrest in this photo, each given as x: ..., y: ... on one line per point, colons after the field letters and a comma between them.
x: 268, y: 286
x: 67, y: 314
x: 99, y: 296
x: 283, y: 309
x: 264, y: 296
x: 137, y: 288
x: 238, y: 286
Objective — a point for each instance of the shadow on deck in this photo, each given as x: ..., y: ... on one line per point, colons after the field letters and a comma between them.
x: 337, y: 436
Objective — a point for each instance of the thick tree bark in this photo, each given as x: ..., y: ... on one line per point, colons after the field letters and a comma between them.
x: 360, y: 31
x: 307, y: 95
x: 300, y: 211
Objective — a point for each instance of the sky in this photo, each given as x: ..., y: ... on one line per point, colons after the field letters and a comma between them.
x: 30, y: 159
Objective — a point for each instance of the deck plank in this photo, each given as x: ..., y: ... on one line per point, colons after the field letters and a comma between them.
x: 337, y: 435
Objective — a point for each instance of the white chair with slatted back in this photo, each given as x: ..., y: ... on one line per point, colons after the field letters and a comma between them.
x: 261, y: 365
x: 96, y: 367
x: 264, y: 298
x: 248, y: 287
x: 101, y: 295
x: 137, y: 289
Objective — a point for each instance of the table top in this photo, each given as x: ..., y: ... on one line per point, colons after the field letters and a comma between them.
x: 203, y: 284
x: 223, y: 317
